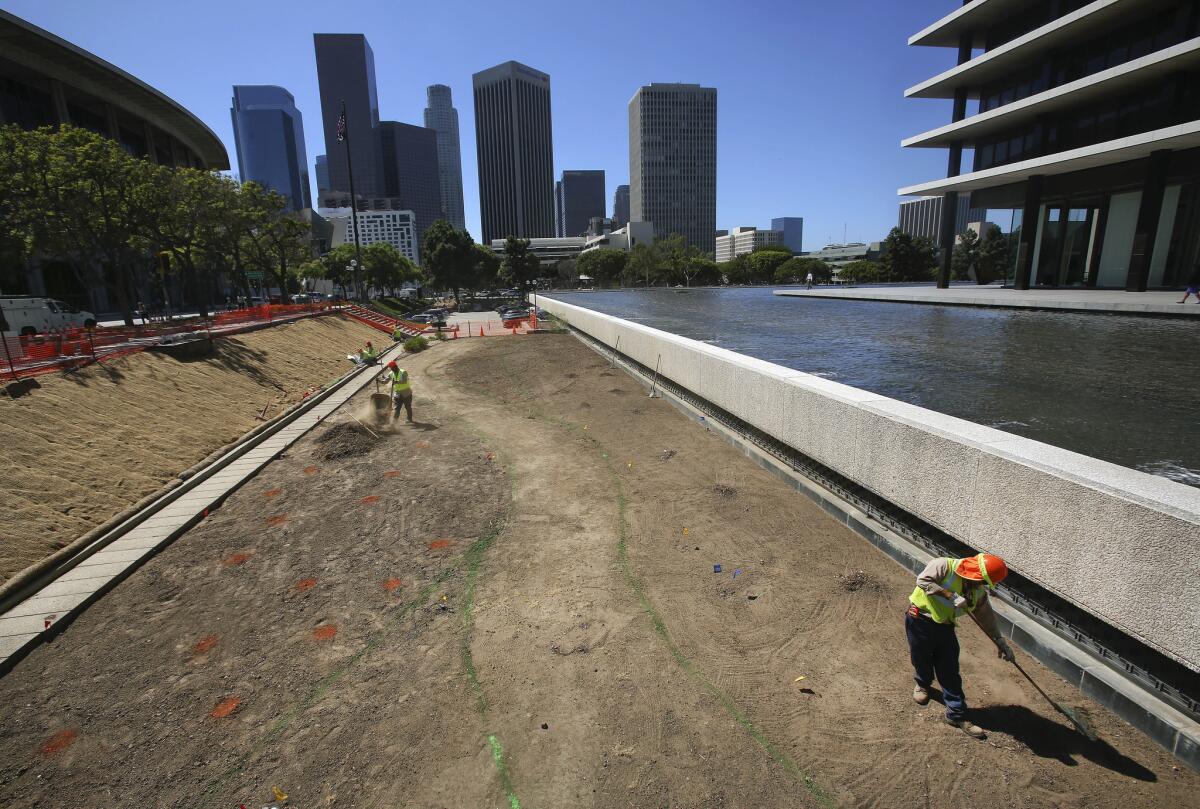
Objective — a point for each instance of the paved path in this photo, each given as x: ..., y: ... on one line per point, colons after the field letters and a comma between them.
x: 1074, y: 300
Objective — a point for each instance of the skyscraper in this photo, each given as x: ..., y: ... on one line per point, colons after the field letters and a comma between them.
x: 792, y: 228
x: 673, y: 161
x: 515, y: 152
x: 409, y: 156
x: 581, y: 198
x: 346, y: 72
x: 441, y: 116
x: 269, y: 133
x: 322, y: 173
x: 621, y: 206
x: 558, y: 208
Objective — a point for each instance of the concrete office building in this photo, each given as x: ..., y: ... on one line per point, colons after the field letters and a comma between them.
x: 346, y: 72
x: 441, y: 117
x: 622, y: 238
x: 396, y: 228
x: 740, y: 241
x: 549, y: 250
x: 268, y: 132
x: 923, y: 216
x: 792, y: 228
x: 47, y: 81
x: 322, y: 170
x: 839, y: 255
x: 673, y: 161
x: 515, y: 151
x: 620, y: 213
x: 579, y: 196
x: 409, y: 158
x: 1086, y: 128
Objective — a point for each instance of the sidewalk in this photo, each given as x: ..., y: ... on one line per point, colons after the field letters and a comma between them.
x: 1071, y: 300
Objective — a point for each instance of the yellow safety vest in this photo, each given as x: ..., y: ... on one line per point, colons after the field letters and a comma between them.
x: 940, y: 608
x: 400, y: 381
x: 368, y: 353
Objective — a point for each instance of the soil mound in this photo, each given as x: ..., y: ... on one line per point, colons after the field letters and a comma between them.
x: 347, y: 440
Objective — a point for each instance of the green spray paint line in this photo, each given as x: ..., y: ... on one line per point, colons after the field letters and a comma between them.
x: 502, y: 768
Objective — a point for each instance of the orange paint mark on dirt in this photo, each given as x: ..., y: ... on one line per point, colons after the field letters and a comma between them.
x: 58, y: 742
x: 277, y: 519
x: 225, y: 707
x: 311, y: 470
x: 440, y: 544
x: 392, y: 473
x: 305, y: 584
x: 421, y: 445
x: 324, y: 632
x: 236, y: 559
x: 369, y: 499
x: 392, y: 584
x: 272, y: 492
x: 205, y: 644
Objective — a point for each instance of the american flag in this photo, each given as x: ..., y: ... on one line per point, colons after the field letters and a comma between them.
x: 341, y: 127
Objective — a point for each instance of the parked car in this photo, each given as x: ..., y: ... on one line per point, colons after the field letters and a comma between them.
x: 25, y: 315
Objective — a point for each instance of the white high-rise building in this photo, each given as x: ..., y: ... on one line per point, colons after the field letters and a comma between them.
x: 740, y: 241
x: 393, y: 227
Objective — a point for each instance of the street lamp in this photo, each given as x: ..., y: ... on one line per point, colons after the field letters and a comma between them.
x: 358, y: 291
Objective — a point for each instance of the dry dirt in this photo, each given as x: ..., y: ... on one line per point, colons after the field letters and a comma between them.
x: 81, y: 447
x: 528, y: 616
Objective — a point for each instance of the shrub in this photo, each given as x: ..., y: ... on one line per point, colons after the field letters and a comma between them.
x: 415, y: 344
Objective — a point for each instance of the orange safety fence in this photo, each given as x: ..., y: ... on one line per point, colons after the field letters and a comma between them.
x: 69, y: 348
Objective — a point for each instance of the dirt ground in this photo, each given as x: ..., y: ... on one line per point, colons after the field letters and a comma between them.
x: 527, y: 615
x: 81, y: 447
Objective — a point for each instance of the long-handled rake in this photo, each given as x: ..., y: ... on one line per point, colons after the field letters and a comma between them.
x: 1076, y: 718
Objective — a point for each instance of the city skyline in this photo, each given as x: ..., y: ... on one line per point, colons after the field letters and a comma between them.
x: 829, y: 150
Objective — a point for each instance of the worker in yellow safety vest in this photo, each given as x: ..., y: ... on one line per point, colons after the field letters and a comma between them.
x: 401, y: 389
x: 945, y: 589
x: 368, y: 355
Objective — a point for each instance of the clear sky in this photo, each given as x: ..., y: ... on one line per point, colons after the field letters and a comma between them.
x: 809, y: 92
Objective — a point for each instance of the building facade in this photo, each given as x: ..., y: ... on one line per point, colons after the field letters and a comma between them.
x: 322, y: 171
x: 673, y: 161
x: 442, y: 117
x: 740, y: 241
x: 411, y: 174
x: 923, y: 217
x: 623, y: 238
x: 515, y: 151
x: 620, y: 213
x: 549, y: 250
x: 792, y: 228
x: 268, y: 132
x: 346, y: 73
x: 396, y: 228
x: 579, y: 196
x: 1085, y: 129
x: 839, y: 255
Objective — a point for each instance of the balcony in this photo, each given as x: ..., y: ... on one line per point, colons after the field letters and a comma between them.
x: 976, y: 17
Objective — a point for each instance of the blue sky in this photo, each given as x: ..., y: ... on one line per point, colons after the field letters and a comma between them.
x: 810, y: 92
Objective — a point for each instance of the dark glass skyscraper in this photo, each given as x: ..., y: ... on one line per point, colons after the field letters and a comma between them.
x: 410, y: 172
x: 515, y: 151
x: 322, y: 173
x: 346, y: 72
x: 269, y: 133
x: 621, y: 206
x: 441, y: 116
x: 581, y: 198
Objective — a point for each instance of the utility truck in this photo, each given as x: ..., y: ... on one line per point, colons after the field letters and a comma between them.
x: 23, y: 315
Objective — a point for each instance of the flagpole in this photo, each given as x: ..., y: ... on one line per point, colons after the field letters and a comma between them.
x: 358, y: 268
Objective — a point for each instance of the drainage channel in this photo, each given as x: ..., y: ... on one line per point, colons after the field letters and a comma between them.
x: 41, y: 607
x: 1161, y: 698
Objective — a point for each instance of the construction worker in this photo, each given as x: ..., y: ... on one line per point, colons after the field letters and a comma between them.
x: 368, y: 355
x: 401, y: 389
x: 945, y: 589
x: 398, y: 334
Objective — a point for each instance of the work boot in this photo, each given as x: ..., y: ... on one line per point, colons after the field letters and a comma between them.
x: 920, y: 695
x: 974, y: 731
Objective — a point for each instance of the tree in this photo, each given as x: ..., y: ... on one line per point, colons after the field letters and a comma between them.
x: 676, y: 259
x: 736, y: 270
x: 965, y: 259
x: 519, y: 266
x: 604, y: 265
x: 772, y: 248
x: 908, y: 259
x: 763, y: 264
x: 797, y: 268
x: 487, y: 268
x: 385, y: 268
x: 566, y: 271
x: 642, y: 266
x: 702, y: 270
x: 861, y: 272
x: 995, y: 256
x: 450, y: 257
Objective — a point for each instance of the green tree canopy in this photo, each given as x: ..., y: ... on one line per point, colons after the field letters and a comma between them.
x: 906, y: 258
x: 450, y: 257
x: 861, y: 272
x: 763, y: 264
x: 603, y: 265
x: 797, y: 268
x: 519, y: 266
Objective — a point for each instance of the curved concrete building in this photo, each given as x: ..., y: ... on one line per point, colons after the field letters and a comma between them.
x: 45, y: 80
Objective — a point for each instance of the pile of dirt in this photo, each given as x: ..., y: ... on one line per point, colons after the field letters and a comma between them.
x: 347, y: 440
x: 854, y: 580
x: 77, y: 449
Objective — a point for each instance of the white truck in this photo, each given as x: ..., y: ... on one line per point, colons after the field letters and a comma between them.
x: 22, y: 315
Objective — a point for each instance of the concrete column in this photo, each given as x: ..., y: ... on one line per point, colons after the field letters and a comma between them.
x: 59, y: 100
x: 1029, y: 228
x: 946, y: 232
x: 148, y: 134
x: 1147, y: 222
x: 1101, y: 223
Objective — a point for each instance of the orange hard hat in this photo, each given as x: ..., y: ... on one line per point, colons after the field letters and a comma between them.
x: 983, y: 567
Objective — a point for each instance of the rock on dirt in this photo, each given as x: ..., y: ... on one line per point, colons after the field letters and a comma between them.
x: 347, y: 440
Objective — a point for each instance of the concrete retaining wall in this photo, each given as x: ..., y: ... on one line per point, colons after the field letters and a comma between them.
x: 1121, y: 544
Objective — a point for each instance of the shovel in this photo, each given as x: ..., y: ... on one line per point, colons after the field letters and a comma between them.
x: 1076, y: 718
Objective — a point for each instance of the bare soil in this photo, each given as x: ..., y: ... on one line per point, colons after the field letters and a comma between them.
x: 81, y: 447
x: 529, y: 615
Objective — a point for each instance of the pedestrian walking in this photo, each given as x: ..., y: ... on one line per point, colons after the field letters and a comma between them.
x: 1193, y: 284
x: 808, y: 281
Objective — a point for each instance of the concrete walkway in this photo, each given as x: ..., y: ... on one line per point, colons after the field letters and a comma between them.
x: 1073, y: 300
